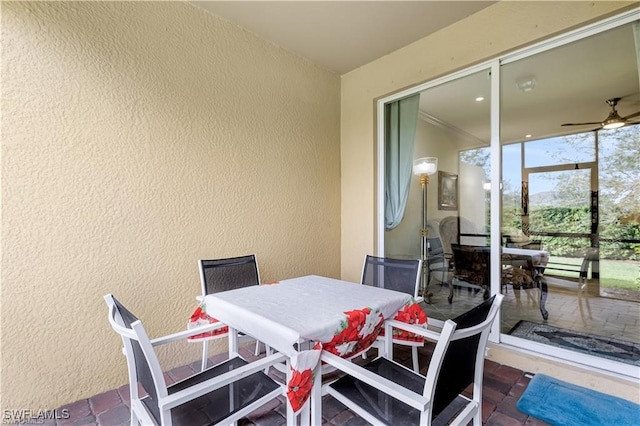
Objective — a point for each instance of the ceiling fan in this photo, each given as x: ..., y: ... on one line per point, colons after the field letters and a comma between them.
x: 613, y: 121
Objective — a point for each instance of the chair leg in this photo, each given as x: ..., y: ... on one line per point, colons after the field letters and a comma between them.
x: 582, y: 285
x: 257, y: 351
x: 267, y: 352
x: 477, y: 417
x: 414, y: 356
x: 205, y: 354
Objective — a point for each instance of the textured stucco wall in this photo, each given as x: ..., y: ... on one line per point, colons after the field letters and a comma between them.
x: 502, y: 27
x: 136, y: 139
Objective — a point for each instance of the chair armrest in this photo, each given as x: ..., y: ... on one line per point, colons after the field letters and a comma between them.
x: 428, y: 334
x: 217, y: 382
x: 186, y: 333
x: 387, y: 386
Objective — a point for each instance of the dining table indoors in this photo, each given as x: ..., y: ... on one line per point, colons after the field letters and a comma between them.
x: 534, y: 261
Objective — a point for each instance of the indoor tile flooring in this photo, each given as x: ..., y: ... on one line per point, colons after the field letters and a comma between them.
x: 596, y: 315
x: 502, y: 388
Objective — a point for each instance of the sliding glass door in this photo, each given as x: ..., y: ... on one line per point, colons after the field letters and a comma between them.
x: 526, y: 170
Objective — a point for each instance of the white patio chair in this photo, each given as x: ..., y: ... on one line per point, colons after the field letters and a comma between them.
x: 399, y: 275
x: 385, y: 392
x: 223, y: 393
x: 218, y: 275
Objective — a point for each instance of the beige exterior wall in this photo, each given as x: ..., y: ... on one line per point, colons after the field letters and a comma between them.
x: 138, y: 138
x: 500, y: 28
x: 621, y: 387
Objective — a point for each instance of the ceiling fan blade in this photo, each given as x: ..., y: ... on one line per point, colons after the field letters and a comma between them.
x: 581, y: 124
x: 635, y: 114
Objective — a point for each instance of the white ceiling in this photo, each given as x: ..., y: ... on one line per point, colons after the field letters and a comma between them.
x: 572, y: 84
x: 572, y: 81
x: 343, y: 35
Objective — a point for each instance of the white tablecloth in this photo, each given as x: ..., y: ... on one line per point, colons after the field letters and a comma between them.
x: 311, y: 308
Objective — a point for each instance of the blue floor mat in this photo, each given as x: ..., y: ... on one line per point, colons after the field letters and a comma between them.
x: 564, y: 404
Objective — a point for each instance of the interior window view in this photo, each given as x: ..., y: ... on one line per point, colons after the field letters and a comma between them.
x: 569, y: 204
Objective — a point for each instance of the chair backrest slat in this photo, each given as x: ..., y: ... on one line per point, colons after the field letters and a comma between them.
x: 462, y: 356
x: 393, y: 274
x: 218, y: 275
x: 435, y: 247
x: 141, y: 363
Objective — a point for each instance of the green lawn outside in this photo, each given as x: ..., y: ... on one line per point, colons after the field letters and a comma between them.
x: 613, y: 273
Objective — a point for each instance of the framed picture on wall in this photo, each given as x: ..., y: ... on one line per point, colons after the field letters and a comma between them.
x: 447, y: 191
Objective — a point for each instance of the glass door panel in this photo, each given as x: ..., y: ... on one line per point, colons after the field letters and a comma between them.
x: 620, y: 214
x: 559, y: 202
x: 456, y: 208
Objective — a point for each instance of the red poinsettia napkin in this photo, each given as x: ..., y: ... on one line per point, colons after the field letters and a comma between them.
x: 355, y: 333
x: 411, y: 313
x: 200, y: 318
x: 303, y: 371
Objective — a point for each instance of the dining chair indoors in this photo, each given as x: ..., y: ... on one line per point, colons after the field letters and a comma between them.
x: 223, y: 393
x: 581, y: 273
x: 470, y: 268
x: 400, y: 275
x: 520, y: 273
x: 218, y: 275
x: 438, y: 261
x: 385, y: 392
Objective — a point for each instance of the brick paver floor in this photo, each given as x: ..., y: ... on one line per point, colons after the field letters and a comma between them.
x: 503, y: 386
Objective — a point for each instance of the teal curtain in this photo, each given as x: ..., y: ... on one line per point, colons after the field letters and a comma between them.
x: 400, y: 133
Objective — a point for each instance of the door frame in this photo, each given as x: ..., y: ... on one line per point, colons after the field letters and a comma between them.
x: 569, y: 357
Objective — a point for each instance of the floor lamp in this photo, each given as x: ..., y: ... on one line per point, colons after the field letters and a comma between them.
x: 423, y: 168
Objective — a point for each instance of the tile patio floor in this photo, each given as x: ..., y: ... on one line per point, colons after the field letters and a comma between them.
x: 503, y: 386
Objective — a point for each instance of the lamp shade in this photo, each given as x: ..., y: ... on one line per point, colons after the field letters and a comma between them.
x: 425, y: 166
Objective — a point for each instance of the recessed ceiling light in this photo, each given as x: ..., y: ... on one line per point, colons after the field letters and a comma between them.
x: 527, y: 136
x: 526, y: 83
x: 479, y: 99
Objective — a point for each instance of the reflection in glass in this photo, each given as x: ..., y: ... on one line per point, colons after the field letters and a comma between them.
x: 571, y: 149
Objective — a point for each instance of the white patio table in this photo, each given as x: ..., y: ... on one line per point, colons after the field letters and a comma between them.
x: 324, y: 313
